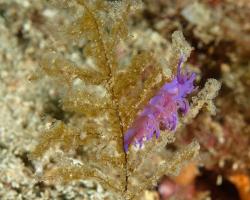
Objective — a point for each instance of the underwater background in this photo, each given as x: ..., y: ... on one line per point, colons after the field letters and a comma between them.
x: 218, y: 32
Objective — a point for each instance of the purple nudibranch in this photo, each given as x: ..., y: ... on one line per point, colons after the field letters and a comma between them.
x: 162, y: 110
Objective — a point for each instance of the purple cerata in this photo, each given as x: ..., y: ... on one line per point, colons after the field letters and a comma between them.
x: 162, y: 110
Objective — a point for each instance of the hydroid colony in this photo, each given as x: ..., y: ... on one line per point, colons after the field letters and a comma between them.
x: 112, y: 100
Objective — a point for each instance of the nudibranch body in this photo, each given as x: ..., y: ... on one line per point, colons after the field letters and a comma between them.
x: 162, y: 109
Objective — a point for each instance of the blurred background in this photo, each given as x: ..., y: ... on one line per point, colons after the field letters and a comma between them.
x: 219, y: 32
